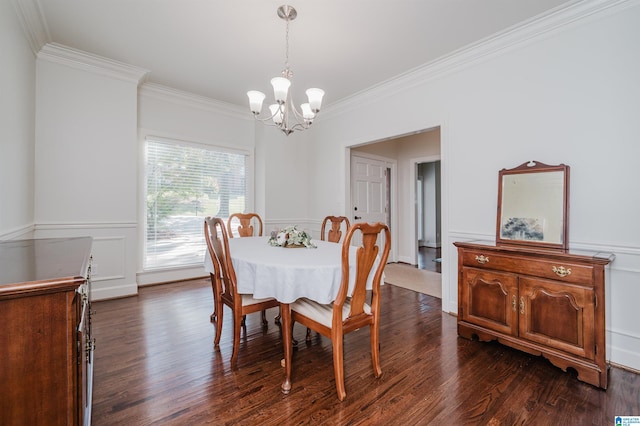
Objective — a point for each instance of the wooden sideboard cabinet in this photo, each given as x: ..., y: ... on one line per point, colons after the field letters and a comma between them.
x: 46, y: 348
x: 541, y: 301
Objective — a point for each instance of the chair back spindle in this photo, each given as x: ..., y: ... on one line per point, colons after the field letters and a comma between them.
x: 365, y: 260
x: 335, y: 233
x: 245, y: 226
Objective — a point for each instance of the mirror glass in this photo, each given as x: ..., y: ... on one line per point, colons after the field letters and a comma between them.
x: 533, y: 205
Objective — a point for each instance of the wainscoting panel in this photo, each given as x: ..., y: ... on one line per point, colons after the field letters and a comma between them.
x: 114, y: 255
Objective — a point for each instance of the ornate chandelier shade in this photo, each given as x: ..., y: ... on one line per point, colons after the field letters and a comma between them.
x: 283, y: 113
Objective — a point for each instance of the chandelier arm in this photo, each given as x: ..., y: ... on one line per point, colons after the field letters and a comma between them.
x: 266, y: 119
x: 297, y: 115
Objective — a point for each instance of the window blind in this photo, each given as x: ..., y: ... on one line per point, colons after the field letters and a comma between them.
x: 184, y: 184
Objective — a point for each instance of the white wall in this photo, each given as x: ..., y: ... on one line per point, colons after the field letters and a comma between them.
x: 17, y: 121
x: 567, y: 94
x: 286, y: 161
x: 171, y: 114
x: 86, y: 160
x: 280, y: 163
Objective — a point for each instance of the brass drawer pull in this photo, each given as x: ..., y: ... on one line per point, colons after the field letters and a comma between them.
x: 513, y: 304
x: 482, y: 259
x: 522, y: 305
x: 561, y: 271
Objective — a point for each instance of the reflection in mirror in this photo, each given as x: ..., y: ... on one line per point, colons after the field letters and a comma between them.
x: 532, y: 207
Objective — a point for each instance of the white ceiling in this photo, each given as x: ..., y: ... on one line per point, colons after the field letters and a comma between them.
x: 220, y: 49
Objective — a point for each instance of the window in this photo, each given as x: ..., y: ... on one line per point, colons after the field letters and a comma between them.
x: 184, y: 184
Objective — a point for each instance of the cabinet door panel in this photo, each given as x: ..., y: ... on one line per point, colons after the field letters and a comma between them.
x: 557, y: 315
x: 490, y: 300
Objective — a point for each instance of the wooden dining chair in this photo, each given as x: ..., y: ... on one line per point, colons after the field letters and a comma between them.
x: 347, y: 314
x: 335, y: 233
x: 245, y: 225
x: 334, y: 236
x: 225, y: 286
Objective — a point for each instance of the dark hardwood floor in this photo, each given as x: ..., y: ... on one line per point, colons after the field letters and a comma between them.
x: 428, y: 258
x: 155, y: 364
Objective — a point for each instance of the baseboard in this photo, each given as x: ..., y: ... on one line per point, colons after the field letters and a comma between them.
x: 113, y: 292
x: 405, y: 259
x: 170, y: 275
x: 430, y: 245
x: 624, y: 350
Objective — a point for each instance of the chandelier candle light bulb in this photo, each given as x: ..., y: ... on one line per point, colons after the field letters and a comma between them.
x: 255, y: 101
x: 284, y: 114
x: 280, y: 88
x: 276, y: 113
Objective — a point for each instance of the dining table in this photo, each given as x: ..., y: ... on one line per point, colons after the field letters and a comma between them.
x: 287, y: 274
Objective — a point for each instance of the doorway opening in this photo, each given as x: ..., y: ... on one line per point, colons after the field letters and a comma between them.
x: 428, y: 220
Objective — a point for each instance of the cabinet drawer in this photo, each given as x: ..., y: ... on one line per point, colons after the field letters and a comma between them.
x: 545, y: 268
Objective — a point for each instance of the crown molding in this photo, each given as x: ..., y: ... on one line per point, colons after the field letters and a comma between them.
x: 555, y: 20
x: 84, y: 61
x: 33, y: 23
x: 179, y: 97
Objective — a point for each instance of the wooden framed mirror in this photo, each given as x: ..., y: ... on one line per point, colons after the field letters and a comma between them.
x: 533, y: 205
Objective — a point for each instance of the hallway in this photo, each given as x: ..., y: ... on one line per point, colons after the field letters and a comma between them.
x: 427, y: 259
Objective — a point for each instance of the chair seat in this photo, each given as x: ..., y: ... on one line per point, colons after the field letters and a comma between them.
x: 320, y: 313
x: 247, y: 299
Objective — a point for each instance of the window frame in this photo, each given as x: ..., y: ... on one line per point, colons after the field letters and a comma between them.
x: 143, y: 190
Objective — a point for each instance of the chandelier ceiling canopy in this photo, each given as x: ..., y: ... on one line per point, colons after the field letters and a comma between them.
x: 283, y: 114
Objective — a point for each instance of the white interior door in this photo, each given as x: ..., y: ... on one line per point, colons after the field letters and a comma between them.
x: 370, y: 183
x: 369, y: 190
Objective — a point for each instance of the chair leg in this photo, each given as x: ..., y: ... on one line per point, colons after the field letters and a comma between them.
x: 276, y: 319
x: 264, y: 318
x: 237, y: 326
x: 375, y: 351
x: 338, y: 366
x: 293, y: 341
x: 244, y: 318
x: 308, y: 337
x: 214, y: 315
x: 216, y: 340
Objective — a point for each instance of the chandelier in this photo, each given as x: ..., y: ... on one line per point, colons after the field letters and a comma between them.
x: 284, y: 114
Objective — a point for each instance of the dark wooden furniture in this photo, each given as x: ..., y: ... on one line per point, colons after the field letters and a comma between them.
x: 225, y: 288
x: 347, y: 314
x: 335, y: 233
x: 541, y: 301
x: 245, y: 226
x: 46, y: 348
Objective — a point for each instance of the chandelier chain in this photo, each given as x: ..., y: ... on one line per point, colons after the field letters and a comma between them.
x: 287, y: 73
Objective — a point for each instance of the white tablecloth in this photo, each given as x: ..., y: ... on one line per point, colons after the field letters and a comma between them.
x: 288, y: 274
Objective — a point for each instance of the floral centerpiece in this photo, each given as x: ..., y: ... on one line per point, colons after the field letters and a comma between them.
x: 291, y: 236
